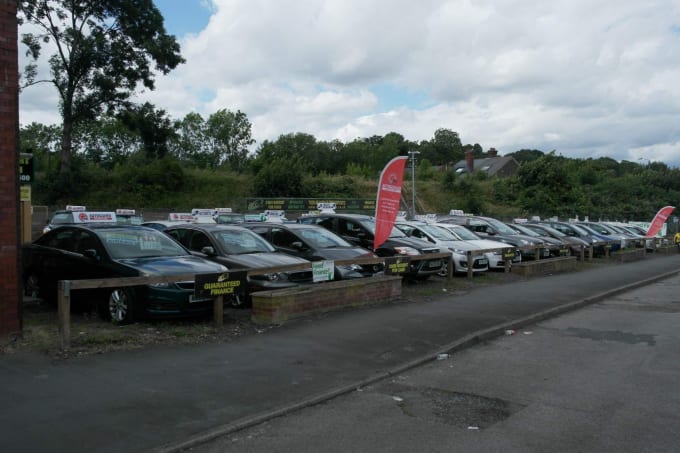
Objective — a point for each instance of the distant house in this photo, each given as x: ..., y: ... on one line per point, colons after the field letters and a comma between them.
x: 492, y: 164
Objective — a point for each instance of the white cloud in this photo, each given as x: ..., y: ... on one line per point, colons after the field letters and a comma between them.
x: 582, y: 78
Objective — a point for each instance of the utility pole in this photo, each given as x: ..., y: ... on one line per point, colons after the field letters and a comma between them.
x: 412, y: 154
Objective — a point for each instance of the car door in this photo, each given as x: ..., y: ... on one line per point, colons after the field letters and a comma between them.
x: 354, y: 233
x: 287, y: 242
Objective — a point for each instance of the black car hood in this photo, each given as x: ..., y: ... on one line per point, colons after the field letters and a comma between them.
x: 169, y: 265
x: 260, y: 260
x: 341, y: 253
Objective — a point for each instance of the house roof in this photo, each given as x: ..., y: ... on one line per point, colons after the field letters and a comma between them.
x: 491, y: 165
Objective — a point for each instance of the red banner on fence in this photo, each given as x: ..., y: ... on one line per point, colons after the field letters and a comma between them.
x: 659, y: 220
x: 389, y: 196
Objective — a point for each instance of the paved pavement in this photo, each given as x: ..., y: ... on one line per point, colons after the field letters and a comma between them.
x: 603, y: 378
x: 168, y: 398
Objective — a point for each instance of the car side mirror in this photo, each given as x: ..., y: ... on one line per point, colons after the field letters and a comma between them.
x: 91, y: 253
x: 208, y: 250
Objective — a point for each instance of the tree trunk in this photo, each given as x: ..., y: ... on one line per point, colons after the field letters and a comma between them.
x: 66, y: 144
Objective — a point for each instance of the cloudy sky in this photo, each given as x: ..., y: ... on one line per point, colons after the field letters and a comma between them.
x: 582, y: 78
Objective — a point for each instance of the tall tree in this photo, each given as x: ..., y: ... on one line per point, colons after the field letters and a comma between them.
x: 103, y: 50
x: 229, y: 135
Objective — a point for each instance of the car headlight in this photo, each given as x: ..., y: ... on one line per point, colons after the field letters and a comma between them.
x: 406, y: 251
x: 160, y: 285
x: 273, y: 277
x: 458, y: 251
x: 353, y: 267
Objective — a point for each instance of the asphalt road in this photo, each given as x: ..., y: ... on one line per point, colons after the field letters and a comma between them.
x: 602, y: 378
x: 170, y: 398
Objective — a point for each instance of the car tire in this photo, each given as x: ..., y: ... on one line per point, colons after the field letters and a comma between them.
x: 119, y: 307
x: 444, y: 271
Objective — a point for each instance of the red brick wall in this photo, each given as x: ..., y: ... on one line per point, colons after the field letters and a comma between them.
x: 10, y: 316
x: 279, y: 306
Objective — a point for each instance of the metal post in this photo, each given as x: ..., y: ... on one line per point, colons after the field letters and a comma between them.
x: 413, y: 183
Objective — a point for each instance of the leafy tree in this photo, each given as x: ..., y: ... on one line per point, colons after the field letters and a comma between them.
x: 281, y: 177
x: 105, y: 142
x: 228, y: 135
x: 154, y: 127
x: 190, y: 144
x: 445, y: 147
x: 527, y: 155
x: 103, y: 50
x: 42, y: 141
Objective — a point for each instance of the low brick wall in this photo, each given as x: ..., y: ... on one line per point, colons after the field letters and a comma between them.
x: 279, y: 306
x: 545, y: 266
x: 625, y: 256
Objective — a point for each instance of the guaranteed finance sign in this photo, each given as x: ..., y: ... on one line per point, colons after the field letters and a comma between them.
x: 224, y: 284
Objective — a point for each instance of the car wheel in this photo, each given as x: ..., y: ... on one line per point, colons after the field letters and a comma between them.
x: 444, y: 271
x: 120, y: 306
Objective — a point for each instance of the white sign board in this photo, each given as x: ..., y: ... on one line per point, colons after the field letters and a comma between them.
x: 323, y: 271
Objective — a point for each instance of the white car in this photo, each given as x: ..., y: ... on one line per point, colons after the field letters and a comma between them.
x: 495, y: 256
x: 446, y: 243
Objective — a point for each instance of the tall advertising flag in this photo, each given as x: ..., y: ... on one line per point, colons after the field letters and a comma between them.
x: 389, y: 196
x: 659, y: 220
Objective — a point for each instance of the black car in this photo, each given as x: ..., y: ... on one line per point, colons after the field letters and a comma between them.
x: 359, y: 230
x: 315, y: 243
x: 239, y: 248
x: 77, y: 252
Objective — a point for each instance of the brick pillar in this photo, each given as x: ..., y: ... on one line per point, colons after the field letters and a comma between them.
x: 10, y: 276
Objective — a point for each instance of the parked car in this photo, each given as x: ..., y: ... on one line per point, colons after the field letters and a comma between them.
x: 73, y: 215
x: 76, y: 252
x: 315, y: 243
x: 446, y: 242
x: 359, y: 230
x: 607, y: 231
x: 239, y: 248
x: 573, y: 244
x: 490, y: 228
x: 633, y: 238
x: 556, y: 247
x: 599, y: 242
x: 128, y: 217
x: 494, y: 249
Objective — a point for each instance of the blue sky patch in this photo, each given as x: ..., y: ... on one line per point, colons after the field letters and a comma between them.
x: 184, y: 16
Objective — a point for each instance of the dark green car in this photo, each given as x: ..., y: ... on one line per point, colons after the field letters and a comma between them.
x: 77, y: 252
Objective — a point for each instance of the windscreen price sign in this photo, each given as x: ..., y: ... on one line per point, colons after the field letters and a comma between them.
x: 25, y: 168
x: 224, y: 284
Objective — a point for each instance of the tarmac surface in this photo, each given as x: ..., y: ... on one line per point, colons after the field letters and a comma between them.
x: 179, y: 397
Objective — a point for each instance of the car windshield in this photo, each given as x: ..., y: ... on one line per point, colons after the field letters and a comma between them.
x: 527, y: 231
x: 600, y: 229
x: 129, y: 219
x: 439, y: 233
x: 463, y: 233
x: 239, y: 242
x: 552, y: 231
x: 369, y: 224
x: 321, y: 238
x: 580, y: 230
x: 138, y: 243
x: 62, y: 217
x: 231, y: 218
x: 501, y: 227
